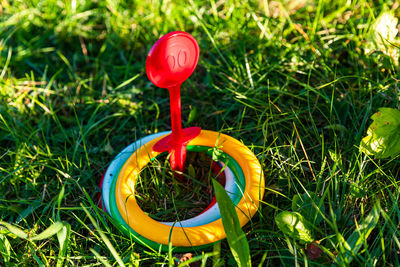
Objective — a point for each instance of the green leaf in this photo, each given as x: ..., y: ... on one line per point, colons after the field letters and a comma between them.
x: 103, y: 260
x: 15, y: 230
x: 382, y: 36
x: 192, y: 115
x: 304, y: 205
x: 234, y: 234
x: 383, y: 135
x: 49, y: 232
x: 357, y: 190
x: 63, y: 239
x: 5, y: 248
x: 108, y: 148
x: 295, y: 226
x: 358, y: 238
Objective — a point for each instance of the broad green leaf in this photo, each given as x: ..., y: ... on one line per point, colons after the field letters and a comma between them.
x: 383, y: 135
x: 15, y: 230
x: 304, y: 205
x: 5, y: 248
x: 382, y: 36
x: 49, y: 232
x: 295, y: 226
x: 234, y: 234
x: 63, y: 239
x: 358, y: 238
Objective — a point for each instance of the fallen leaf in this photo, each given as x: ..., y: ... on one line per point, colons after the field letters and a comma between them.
x: 382, y: 37
x: 313, y: 252
x: 383, y: 135
x: 184, y: 257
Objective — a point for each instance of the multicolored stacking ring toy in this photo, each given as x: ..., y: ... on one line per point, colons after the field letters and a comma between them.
x: 244, y: 181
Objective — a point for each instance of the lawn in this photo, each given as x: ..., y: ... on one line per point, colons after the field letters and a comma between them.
x: 296, y: 81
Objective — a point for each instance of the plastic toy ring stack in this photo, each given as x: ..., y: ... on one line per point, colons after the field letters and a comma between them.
x: 123, y: 207
x: 171, y: 61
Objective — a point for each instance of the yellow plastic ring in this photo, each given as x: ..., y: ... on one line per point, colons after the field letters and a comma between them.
x: 188, y: 236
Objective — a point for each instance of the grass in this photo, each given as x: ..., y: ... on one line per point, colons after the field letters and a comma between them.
x: 166, y: 198
x: 291, y: 81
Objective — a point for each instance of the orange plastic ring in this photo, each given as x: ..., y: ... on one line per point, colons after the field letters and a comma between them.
x: 188, y: 236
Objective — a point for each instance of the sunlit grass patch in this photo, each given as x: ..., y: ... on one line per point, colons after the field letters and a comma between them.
x: 297, y: 83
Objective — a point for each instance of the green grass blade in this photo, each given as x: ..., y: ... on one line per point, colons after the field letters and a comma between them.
x: 35, y: 257
x: 63, y: 238
x: 49, y: 232
x: 236, y: 238
x: 359, y: 237
x: 104, y: 238
x: 59, y: 199
x: 127, y: 82
x: 5, y: 248
x: 15, y: 230
x: 100, y: 258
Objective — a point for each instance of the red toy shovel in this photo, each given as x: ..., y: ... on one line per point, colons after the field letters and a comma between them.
x: 171, y: 60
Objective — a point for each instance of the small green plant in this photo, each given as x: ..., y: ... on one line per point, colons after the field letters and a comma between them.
x: 298, y: 224
x: 295, y: 226
x: 349, y: 248
x: 383, y: 135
